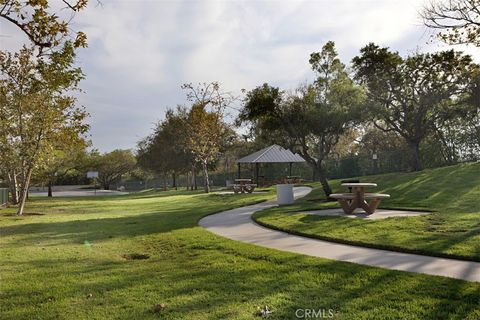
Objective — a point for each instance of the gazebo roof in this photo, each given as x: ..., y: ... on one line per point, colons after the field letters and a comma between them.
x: 272, y: 154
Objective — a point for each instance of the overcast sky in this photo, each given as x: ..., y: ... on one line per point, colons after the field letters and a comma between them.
x: 140, y: 52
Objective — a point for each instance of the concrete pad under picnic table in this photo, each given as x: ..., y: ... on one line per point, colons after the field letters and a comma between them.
x: 360, y: 213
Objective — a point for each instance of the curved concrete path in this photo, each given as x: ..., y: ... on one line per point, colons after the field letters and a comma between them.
x: 237, y: 225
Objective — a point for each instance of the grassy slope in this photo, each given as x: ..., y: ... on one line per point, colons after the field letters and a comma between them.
x: 67, y: 264
x: 453, y: 230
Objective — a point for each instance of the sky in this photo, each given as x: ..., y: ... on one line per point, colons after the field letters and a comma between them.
x: 141, y: 51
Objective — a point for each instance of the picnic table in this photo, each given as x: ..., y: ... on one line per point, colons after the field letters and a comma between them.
x: 243, y: 185
x: 292, y: 179
x: 358, y: 198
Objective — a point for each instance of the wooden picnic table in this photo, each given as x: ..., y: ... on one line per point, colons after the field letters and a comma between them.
x: 358, y: 198
x: 292, y: 179
x: 243, y: 185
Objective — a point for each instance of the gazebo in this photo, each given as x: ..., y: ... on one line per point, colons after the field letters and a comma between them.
x: 272, y: 154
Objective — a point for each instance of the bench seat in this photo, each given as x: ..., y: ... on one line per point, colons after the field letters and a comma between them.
x: 367, y: 196
x: 246, y: 187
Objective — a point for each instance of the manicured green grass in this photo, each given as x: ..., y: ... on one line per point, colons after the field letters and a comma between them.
x: 70, y: 264
x: 453, y: 230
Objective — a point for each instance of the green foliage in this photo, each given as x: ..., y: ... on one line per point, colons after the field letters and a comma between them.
x: 113, y: 165
x: 165, y: 150
x: 60, y: 163
x: 204, y: 130
x: 187, y: 138
x: 261, y: 104
x: 38, y: 113
x: 416, y: 95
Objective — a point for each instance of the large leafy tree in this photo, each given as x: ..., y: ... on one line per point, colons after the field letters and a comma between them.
x: 204, y: 137
x: 459, y: 136
x: 411, y: 95
x: 38, y: 110
x: 113, y: 165
x: 165, y: 150
x: 60, y: 162
x: 311, y: 120
x: 206, y: 130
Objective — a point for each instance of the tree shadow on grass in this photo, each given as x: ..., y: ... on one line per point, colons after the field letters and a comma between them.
x: 233, y: 279
x: 78, y: 231
x: 428, y: 241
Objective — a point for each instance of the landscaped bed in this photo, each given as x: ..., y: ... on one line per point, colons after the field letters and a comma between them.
x: 143, y: 256
x: 452, y: 230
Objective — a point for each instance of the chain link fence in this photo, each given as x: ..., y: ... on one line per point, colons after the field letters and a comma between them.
x: 3, y: 196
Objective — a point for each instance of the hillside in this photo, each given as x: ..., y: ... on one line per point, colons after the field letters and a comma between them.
x: 452, y: 229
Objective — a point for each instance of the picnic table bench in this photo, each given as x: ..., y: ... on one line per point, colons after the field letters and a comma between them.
x: 292, y: 179
x: 244, y: 185
x: 358, y: 198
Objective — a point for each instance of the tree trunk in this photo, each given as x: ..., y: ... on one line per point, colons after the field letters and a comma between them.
x: 205, y: 177
x: 24, y: 192
x: 415, y: 161
x: 13, y: 186
x: 164, y: 181
x: 321, y: 175
x: 13, y: 194
x: 195, y: 186
x: 174, y: 181
x: 106, y: 186
x: 192, y: 184
x: 50, y: 189
x: 188, y: 181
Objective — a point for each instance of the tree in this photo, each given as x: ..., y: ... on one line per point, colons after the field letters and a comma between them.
x: 388, y: 147
x: 312, y: 120
x: 173, y: 134
x: 38, y: 110
x: 165, y: 150
x: 205, y: 127
x: 458, y: 136
x: 458, y: 21
x: 409, y: 96
x: 9, y: 168
x: 60, y: 162
x: 205, y: 132
x: 150, y: 156
x: 113, y: 165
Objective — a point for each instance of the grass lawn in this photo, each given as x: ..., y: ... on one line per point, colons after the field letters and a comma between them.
x: 453, y: 230
x: 70, y: 262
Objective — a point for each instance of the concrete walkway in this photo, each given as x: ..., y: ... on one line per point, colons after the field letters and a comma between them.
x: 237, y: 225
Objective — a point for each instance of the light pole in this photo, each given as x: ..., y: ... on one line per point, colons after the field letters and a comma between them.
x: 375, y: 163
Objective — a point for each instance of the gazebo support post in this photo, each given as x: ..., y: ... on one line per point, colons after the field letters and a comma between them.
x: 257, y: 169
x: 290, y: 169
